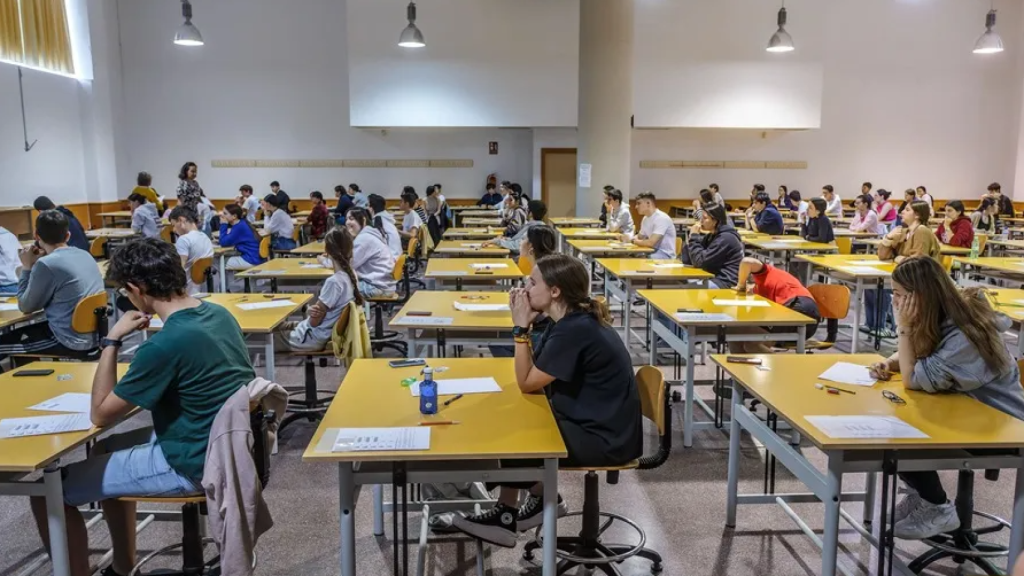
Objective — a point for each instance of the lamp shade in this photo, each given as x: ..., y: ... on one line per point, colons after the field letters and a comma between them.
x: 411, y: 36
x: 989, y: 42
x: 781, y: 41
x: 188, y: 35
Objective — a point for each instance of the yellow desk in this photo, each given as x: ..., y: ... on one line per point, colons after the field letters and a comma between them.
x: 944, y: 249
x: 475, y: 213
x: 302, y: 214
x: 954, y: 424
x: 1010, y: 301
x: 787, y: 246
x: 574, y: 222
x: 472, y: 327
x: 461, y: 249
x: 587, y: 233
x: 495, y: 221
x: 305, y: 270
x: 311, y: 249
x: 472, y: 233
x: 11, y: 318
x: 508, y: 424
x: 683, y: 333
x: 993, y: 267
x: 20, y: 457
x: 1005, y: 245
x: 124, y: 216
x: 608, y: 248
x: 110, y: 233
x: 472, y: 271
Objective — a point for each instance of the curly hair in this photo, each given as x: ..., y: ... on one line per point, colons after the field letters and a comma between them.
x: 151, y: 264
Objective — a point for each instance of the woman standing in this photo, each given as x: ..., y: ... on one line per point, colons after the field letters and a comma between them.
x: 189, y: 190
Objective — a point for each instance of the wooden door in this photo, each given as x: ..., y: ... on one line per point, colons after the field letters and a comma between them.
x: 558, y: 181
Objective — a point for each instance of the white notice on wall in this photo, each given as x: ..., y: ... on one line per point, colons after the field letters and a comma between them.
x: 585, y: 170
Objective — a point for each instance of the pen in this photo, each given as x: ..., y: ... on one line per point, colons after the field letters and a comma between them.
x: 833, y: 389
x: 449, y: 401
x: 439, y: 423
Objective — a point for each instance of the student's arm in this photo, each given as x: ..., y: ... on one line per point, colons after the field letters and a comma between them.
x: 528, y: 376
x: 107, y: 407
x: 963, y: 235
x: 138, y: 220
x: 715, y: 255
x: 36, y: 285
x: 748, y: 266
x: 182, y: 249
x: 660, y: 227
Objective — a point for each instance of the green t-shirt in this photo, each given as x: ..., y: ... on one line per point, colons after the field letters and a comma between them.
x: 183, y: 375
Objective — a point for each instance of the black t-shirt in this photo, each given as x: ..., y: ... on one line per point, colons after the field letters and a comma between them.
x: 594, y: 394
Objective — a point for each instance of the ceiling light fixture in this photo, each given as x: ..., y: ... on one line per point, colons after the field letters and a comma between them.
x: 990, y: 42
x: 187, y: 34
x: 411, y: 37
x: 781, y: 41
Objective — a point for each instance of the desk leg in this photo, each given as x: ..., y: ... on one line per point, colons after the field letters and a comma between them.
x: 652, y: 317
x: 270, y: 356
x: 627, y: 306
x: 223, y: 274
x: 1017, y: 528
x: 378, y: 510
x: 550, y: 516
x: 732, y: 486
x: 858, y: 297
x: 831, y: 497
x: 346, y: 515
x: 870, y: 487
x: 691, y: 333
x: 56, y: 522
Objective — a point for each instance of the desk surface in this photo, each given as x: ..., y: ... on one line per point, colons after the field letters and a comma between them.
x: 559, y: 222
x: 116, y: 214
x: 1018, y: 244
x: 261, y: 321
x: 1009, y: 301
x: 787, y: 243
x: 641, y: 268
x: 668, y: 302
x: 470, y: 221
x: 35, y: 452
x: 1012, y: 265
x: 944, y: 249
x: 592, y: 233
x: 441, y: 305
x: 11, y: 317
x: 463, y: 248
x: 608, y: 247
x: 950, y: 420
x: 472, y: 233
x: 313, y: 248
x: 291, y: 268
x: 506, y: 424
x: 843, y: 262
x: 110, y: 233
x: 482, y: 270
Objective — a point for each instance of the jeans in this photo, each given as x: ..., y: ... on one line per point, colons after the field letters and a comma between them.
x: 870, y: 308
x: 283, y: 244
x: 927, y: 484
x: 9, y: 289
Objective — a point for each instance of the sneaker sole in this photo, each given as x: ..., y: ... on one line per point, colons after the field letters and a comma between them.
x: 952, y: 526
x: 532, y: 522
x: 491, y: 534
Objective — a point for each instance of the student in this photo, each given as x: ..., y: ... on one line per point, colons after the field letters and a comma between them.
x: 515, y: 215
x: 385, y: 222
x: 189, y: 190
x: 866, y: 187
x: 205, y: 213
x: 435, y: 216
x: 236, y: 233
x: 865, y: 219
x: 704, y: 198
x: 802, y: 206
x: 765, y: 217
x: 656, y: 229
x: 345, y: 204
x: 956, y: 228
x: 411, y: 222
x: 909, y: 195
x: 55, y: 277
x: 833, y: 203
x: 359, y: 198
x: 758, y: 188
x: 985, y: 218
x: 780, y: 287
x: 417, y: 206
x: 714, y: 246
x: 284, y: 201
x: 10, y: 247
x: 538, y: 242
x: 885, y: 210
x: 277, y: 224
x: 784, y: 200
x: 183, y: 375
x: 440, y: 193
x: 818, y: 227
x: 145, y: 219
x: 249, y: 203
x: 145, y: 189
x: 191, y: 244
x: 491, y: 197
x: 717, y: 198
x: 995, y: 191
x: 537, y: 211
x: 950, y: 342
x: 371, y: 258
x: 77, y: 239
x: 921, y: 193
x: 586, y: 370
x: 603, y: 218
x: 617, y: 214
x: 313, y: 333
x: 318, y: 216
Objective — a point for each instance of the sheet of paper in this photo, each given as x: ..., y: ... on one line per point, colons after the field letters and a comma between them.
x: 865, y: 427
x: 584, y: 177
x: 702, y: 317
x: 488, y: 266
x: 472, y: 245
x: 449, y: 273
x: 268, y: 304
x: 313, y: 265
x: 746, y: 303
x: 9, y: 307
x: 155, y: 322
x: 867, y: 262
x: 461, y: 386
x: 863, y: 270
x: 463, y: 307
x: 424, y: 321
x: 670, y: 265
x: 377, y: 439
x: 847, y: 373
x: 775, y: 245
x: 785, y: 240
x: 40, y: 425
x: 74, y: 402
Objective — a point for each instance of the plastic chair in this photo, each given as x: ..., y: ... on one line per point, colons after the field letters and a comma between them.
x: 381, y: 338
x: 203, y: 271
x: 844, y: 244
x: 310, y: 402
x: 89, y: 317
x: 98, y: 247
x: 167, y: 234
x: 412, y: 257
x: 525, y: 265
x: 679, y: 245
x: 833, y: 302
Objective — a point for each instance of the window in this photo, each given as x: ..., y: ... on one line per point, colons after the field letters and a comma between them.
x: 35, y: 33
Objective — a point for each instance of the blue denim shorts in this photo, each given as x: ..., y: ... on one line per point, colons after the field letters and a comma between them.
x: 129, y: 464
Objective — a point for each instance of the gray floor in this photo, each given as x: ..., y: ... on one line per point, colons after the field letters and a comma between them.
x: 681, y: 506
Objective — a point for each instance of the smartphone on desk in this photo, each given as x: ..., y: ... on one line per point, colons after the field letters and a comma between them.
x: 741, y: 360
x: 28, y: 373
x: 407, y: 363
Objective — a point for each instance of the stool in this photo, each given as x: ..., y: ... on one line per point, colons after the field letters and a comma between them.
x: 192, y: 540
x: 308, y: 402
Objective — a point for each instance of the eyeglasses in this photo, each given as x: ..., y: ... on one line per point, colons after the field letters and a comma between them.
x: 891, y: 397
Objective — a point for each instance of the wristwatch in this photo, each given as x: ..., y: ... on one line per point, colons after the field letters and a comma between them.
x: 110, y: 342
x: 520, y: 332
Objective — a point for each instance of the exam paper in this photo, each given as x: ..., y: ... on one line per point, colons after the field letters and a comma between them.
x: 270, y: 304
x: 423, y: 321
x: 774, y: 245
x: 40, y: 425
x: 472, y: 245
x: 702, y: 317
x: 867, y: 262
x: 672, y: 265
x: 488, y: 266
x: 788, y: 239
x: 847, y: 373
x: 461, y: 386
x: 74, y: 402
x: 374, y: 439
x: 9, y: 307
x: 155, y: 322
x: 863, y: 270
x: 449, y: 273
x: 313, y: 265
x: 479, y: 307
x: 865, y: 427
x: 741, y: 302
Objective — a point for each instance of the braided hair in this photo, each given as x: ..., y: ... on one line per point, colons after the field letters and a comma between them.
x: 338, y: 246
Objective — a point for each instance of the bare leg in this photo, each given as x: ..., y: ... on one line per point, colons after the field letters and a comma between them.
x: 120, y: 517
x: 78, y: 536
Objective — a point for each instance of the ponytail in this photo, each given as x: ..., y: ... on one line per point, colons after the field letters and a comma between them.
x: 378, y: 223
x: 597, y: 308
x: 338, y: 245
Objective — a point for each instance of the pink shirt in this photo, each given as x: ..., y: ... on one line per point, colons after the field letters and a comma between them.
x: 867, y: 223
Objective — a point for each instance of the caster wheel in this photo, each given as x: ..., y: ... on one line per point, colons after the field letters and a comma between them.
x: 657, y: 568
x: 528, y: 556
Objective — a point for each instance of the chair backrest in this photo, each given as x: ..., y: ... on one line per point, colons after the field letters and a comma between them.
x: 200, y: 268
x: 166, y: 234
x: 651, y: 384
x: 342, y: 324
x: 844, y: 244
x: 86, y: 317
x: 947, y: 263
x: 982, y: 239
x: 296, y: 233
x: 399, y: 270
x: 98, y: 247
x: 833, y: 300
x: 259, y: 215
x: 679, y: 245
x: 265, y: 247
x: 414, y: 244
x: 525, y: 264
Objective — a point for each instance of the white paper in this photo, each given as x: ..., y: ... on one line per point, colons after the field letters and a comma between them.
x: 673, y: 265
x: 488, y: 266
x: 39, y: 425
x: 155, y: 322
x: 462, y: 307
x: 74, y: 402
x: 847, y: 373
x: 865, y: 427
x: 867, y: 262
x: 313, y: 265
x: 863, y: 270
x: 270, y: 304
x: 423, y: 321
x: 788, y: 239
x: 9, y: 307
x: 461, y: 386
x: 585, y: 170
x: 741, y: 302
x: 449, y: 273
x: 472, y: 245
x: 702, y: 317
x: 774, y: 245
x: 377, y: 439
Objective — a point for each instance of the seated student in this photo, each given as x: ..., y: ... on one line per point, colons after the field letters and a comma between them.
x: 885, y: 210
x: 248, y: 203
x: 818, y: 227
x: 717, y: 197
x: 704, y: 197
x: 10, y: 247
x: 765, y: 217
x: 145, y: 189
x: 385, y: 222
x: 909, y: 195
x: 537, y: 211
x: 921, y: 193
x: 515, y: 215
x: 985, y: 219
x: 588, y: 374
x: 411, y: 222
x: 191, y: 244
x: 183, y: 375
x: 145, y: 219
x: 801, y: 207
x: 833, y: 203
x: 418, y: 206
x: 780, y: 287
x: 318, y: 216
x: 865, y: 219
x: 491, y: 197
x: 344, y: 204
x: 603, y: 217
x: 656, y: 229
x: 77, y: 238
x: 956, y: 228
x: 950, y: 342
x: 715, y: 247
x: 995, y: 192
x: 617, y: 213
x: 284, y: 201
x: 236, y: 233
x: 359, y: 198
x: 55, y: 277
x: 784, y: 200
x: 277, y: 224
x: 371, y: 258
x: 314, y: 332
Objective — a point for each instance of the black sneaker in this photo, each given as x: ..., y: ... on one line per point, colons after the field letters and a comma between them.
x: 531, y: 513
x: 497, y: 525
x: 109, y: 571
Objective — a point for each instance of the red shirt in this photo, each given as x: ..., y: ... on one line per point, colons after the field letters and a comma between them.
x: 778, y: 285
x: 318, y: 220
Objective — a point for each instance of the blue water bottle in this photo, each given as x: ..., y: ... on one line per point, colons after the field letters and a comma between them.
x: 428, y: 392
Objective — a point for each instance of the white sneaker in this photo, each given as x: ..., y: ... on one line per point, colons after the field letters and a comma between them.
x: 926, y: 521
x: 910, y: 502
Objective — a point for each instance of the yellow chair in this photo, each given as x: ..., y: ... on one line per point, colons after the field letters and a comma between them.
x: 844, y: 244
x: 947, y: 263
x: 98, y: 247
x: 167, y: 234
x: 679, y: 245
x: 381, y: 338
x: 982, y: 239
x: 265, y: 251
x: 525, y: 265
x: 202, y: 271
x: 833, y: 302
x: 89, y: 317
